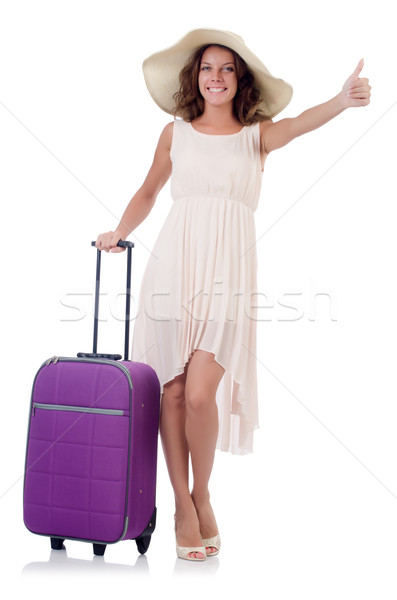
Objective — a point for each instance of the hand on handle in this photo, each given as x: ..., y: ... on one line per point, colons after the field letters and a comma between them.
x: 108, y: 241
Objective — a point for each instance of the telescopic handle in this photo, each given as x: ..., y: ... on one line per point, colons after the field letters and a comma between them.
x: 94, y: 354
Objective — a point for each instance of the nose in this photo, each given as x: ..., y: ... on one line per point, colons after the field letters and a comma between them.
x: 217, y: 76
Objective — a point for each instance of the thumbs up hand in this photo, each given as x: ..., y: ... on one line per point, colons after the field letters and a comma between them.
x: 356, y: 90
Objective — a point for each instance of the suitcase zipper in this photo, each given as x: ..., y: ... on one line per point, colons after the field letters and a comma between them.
x: 83, y: 409
x: 114, y: 363
x: 53, y: 359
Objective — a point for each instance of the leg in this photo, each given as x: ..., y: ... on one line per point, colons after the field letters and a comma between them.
x: 172, y: 431
x: 176, y: 453
x: 203, y: 377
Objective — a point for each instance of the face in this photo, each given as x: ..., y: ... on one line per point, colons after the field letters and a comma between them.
x: 217, y: 76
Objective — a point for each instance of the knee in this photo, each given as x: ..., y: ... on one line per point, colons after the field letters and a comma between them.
x: 173, y: 396
x: 199, y: 401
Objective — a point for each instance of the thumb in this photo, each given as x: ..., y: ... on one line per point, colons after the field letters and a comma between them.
x: 117, y: 249
x: 358, y: 69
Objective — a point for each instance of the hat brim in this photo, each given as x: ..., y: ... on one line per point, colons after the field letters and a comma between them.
x: 161, y: 70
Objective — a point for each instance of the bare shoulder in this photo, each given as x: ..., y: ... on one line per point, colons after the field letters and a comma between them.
x: 166, y: 135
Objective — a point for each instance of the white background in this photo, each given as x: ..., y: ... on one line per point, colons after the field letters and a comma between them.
x: 312, y: 512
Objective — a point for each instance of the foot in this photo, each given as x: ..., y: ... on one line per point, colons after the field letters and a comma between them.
x: 207, y: 524
x: 187, y: 532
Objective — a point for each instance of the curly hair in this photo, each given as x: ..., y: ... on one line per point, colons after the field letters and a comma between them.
x: 189, y: 103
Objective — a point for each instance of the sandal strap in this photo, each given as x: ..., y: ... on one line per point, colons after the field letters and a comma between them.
x: 214, y: 542
x: 184, y: 551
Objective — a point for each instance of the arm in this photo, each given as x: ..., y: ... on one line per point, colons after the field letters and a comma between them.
x: 143, y: 201
x: 355, y: 92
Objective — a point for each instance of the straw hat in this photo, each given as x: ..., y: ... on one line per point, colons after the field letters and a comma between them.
x: 161, y: 70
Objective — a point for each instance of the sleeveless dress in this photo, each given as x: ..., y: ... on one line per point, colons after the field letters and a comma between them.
x: 198, y: 290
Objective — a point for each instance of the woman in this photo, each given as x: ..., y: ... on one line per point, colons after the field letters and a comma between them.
x: 193, y: 325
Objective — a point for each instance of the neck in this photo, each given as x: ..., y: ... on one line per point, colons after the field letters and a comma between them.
x: 221, y: 116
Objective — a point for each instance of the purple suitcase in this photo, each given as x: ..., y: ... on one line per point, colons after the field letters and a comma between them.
x: 91, y: 455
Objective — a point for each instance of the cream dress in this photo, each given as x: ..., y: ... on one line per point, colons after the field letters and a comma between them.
x: 198, y: 289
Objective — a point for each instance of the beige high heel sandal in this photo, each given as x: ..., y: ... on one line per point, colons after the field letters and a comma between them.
x: 214, y: 542
x: 184, y: 551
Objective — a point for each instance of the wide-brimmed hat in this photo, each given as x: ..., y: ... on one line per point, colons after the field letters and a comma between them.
x: 161, y: 70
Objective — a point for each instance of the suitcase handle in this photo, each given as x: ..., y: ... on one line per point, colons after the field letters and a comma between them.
x: 94, y: 353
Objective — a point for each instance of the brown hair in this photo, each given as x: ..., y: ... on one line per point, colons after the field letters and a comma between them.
x: 189, y: 103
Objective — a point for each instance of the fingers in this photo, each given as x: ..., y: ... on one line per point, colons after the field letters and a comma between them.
x: 113, y: 243
x: 108, y: 241
x: 360, y: 90
x: 360, y: 82
x: 103, y: 241
x: 356, y: 90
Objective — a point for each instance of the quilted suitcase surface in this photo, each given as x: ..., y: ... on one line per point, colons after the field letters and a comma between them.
x: 91, y: 455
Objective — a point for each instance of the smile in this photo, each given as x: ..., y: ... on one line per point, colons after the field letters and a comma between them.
x: 217, y: 90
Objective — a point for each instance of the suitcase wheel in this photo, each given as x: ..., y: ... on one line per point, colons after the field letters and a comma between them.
x: 57, y: 544
x: 143, y: 543
x: 99, y: 549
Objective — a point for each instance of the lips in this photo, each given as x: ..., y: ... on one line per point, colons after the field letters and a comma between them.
x: 216, y: 90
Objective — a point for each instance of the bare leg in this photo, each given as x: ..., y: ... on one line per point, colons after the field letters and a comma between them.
x: 203, y: 377
x: 172, y: 431
x: 176, y: 452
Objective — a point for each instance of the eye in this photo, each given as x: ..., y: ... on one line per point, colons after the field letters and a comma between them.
x: 204, y: 68
x: 229, y: 68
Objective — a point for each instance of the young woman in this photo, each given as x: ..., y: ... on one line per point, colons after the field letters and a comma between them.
x: 195, y: 324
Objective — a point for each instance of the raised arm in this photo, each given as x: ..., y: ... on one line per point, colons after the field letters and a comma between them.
x: 142, y: 202
x: 355, y: 92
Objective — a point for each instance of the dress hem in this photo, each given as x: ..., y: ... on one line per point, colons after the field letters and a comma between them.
x: 182, y: 369
x: 241, y: 450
